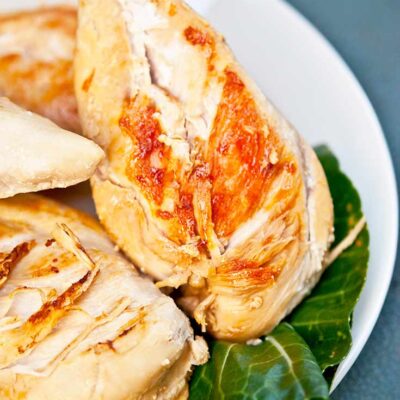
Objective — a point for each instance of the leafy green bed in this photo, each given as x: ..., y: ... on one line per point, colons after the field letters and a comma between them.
x: 298, y: 359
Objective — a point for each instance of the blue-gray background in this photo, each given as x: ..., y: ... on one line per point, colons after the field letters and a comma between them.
x: 367, y: 35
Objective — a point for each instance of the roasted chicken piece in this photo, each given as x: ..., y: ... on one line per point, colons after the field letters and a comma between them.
x: 36, y: 54
x: 35, y: 154
x: 77, y: 321
x: 206, y: 185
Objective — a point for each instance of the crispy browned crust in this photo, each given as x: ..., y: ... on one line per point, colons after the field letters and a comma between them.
x: 9, y: 260
x: 120, y: 322
x: 239, y: 214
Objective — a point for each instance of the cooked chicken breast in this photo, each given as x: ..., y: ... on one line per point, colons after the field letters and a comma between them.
x: 206, y: 185
x: 36, y: 53
x: 77, y: 321
x: 35, y: 154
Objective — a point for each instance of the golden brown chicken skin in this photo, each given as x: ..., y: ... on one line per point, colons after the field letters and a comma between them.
x: 206, y: 185
x: 36, y: 53
x: 78, y: 322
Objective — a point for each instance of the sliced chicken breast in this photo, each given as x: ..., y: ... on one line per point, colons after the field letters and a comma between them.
x: 206, y: 185
x: 77, y: 321
x: 36, y: 53
x: 35, y: 154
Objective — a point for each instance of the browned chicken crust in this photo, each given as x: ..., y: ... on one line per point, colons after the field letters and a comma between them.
x: 206, y: 185
x: 73, y: 310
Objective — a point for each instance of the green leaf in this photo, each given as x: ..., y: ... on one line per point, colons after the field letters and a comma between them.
x: 323, y: 319
x: 282, y: 367
x: 287, y: 365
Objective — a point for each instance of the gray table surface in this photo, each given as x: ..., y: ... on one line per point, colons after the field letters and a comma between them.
x: 367, y: 35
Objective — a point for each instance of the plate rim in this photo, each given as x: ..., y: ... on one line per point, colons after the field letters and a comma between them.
x: 357, y: 347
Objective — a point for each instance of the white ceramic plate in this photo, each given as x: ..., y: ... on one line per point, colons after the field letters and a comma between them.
x: 309, y: 82
x: 304, y: 76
